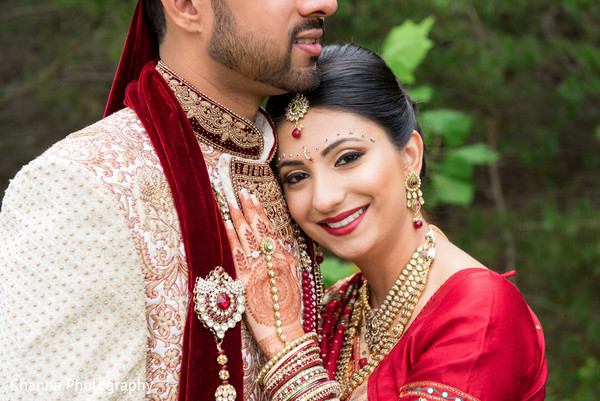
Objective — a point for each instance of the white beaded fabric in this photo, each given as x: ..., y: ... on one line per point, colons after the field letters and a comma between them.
x: 72, y: 303
x: 93, y: 275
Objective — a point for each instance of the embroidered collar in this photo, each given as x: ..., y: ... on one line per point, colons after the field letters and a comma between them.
x: 212, y: 122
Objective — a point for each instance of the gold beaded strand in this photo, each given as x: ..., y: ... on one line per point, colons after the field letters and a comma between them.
x: 267, y: 248
x: 399, y: 304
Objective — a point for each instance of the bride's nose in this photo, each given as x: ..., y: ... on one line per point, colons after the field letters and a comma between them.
x: 327, y: 193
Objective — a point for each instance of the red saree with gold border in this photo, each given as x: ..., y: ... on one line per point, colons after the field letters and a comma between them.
x: 476, y: 339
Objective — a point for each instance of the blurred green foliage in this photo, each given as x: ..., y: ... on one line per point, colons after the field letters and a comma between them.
x: 335, y: 269
x: 405, y: 47
x: 520, y: 79
x: 452, y: 166
x: 525, y: 75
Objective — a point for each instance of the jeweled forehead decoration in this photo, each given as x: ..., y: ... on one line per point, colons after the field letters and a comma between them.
x: 306, y: 150
x: 296, y: 111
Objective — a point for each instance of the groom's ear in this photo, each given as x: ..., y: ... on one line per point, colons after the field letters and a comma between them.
x: 188, y: 15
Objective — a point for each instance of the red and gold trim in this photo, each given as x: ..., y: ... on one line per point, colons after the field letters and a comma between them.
x: 259, y: 180
x: 212, y: 122
x: 433, y: 391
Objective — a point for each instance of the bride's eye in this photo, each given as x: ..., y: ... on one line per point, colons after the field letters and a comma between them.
x: 348, y: 157
x: 294, y: 177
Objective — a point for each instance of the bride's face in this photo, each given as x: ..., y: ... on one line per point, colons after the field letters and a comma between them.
x: 344, y: 182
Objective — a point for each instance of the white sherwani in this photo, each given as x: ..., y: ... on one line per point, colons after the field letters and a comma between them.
x: 93, y: 275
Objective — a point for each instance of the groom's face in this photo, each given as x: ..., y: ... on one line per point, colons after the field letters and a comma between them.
x: 275, y: 42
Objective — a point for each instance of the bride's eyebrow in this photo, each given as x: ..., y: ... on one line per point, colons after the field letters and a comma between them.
x: 290, y: 163
x: 324, y: 153
x: 334, y: 144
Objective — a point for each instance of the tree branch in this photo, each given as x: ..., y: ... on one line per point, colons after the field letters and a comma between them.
x: 510, y: 252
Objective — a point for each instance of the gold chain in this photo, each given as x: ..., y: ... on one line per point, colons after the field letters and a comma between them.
x: 400, y: 302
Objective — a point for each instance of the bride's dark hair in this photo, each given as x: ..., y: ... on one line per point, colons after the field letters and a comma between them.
x: 356, y: 80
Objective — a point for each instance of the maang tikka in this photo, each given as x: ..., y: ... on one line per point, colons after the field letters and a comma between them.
x: 296, y: 111
x: 414, y: 197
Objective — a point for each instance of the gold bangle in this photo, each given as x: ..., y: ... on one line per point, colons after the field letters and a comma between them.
x: 295, y: 364
x: 297, y: 385
x: 287, y: 359
x: 308, y: 337
x: 329, y: 388
x: 313, y: 381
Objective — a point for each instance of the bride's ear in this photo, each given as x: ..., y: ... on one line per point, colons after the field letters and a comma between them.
x: 413, y: 153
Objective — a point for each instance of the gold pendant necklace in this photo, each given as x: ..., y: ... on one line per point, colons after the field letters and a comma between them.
x: 399, y: 304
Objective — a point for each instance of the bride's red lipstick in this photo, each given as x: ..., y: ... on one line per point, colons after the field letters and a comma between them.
x: 347, y: 229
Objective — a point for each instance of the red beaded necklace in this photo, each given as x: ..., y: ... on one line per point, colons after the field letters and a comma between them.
x: 312, y: 286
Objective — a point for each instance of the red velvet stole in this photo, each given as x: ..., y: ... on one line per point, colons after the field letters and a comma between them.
x: 202, y: 228
x: 139, y: 49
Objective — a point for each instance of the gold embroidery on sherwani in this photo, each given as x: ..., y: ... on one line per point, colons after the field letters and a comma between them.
x: 155, y: 208
x: 258, y: 179
x: 250, y: 360
x: 224, y: 129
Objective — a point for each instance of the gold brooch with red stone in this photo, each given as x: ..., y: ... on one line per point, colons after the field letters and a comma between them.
x: 219, y: 302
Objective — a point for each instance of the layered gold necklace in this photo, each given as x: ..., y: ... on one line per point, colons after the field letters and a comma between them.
x: 397, y: 306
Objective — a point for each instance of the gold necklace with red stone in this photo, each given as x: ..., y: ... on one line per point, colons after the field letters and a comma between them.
x: 398, y: 305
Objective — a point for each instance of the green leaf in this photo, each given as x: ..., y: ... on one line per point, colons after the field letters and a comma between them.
x: 456, y: 167
x: 477, y: 153
x: 597, y: 133
x: 421, y: 94
x: 405, y: 47
x: 452, y: 125
x: 446, y: 189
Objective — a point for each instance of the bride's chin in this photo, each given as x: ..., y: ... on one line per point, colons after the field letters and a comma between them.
x: 350, y: 254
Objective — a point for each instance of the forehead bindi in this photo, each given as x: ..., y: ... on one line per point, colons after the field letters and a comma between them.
x: 323, y: 147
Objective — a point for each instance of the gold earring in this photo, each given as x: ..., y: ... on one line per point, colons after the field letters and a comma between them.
x: 414, y: 198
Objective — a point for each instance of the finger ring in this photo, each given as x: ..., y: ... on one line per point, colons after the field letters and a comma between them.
x: 253, y: 254
x: 267, y: 245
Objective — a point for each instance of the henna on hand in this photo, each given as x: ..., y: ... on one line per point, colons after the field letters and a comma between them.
x: 241, y: 262
x: 259, y: 299
x: 263, y: 229
x: 248, y: 227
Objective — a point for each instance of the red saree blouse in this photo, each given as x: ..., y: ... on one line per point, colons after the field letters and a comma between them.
x: 476, y: 339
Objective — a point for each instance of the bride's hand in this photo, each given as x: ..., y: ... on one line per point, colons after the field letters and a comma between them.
x: 247, y: 239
